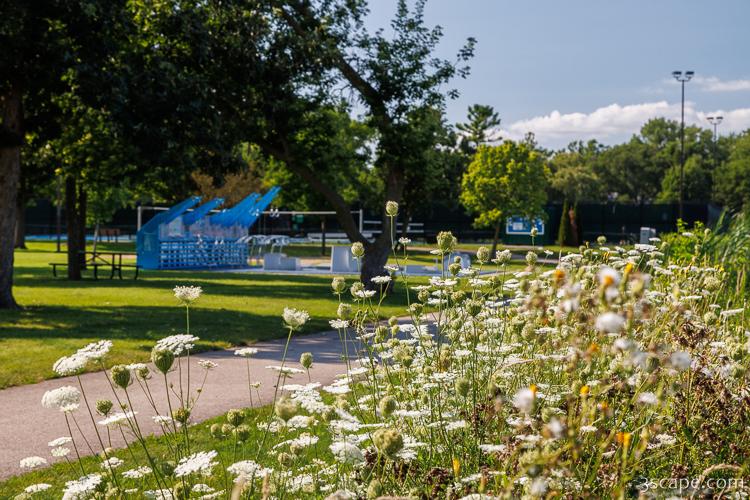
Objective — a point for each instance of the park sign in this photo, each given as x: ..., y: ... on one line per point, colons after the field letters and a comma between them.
x: 522, y: 226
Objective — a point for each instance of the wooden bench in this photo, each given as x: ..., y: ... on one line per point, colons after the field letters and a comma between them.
x: 96, y: 267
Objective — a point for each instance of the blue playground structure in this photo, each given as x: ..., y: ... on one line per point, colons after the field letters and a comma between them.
x: 181, y: 238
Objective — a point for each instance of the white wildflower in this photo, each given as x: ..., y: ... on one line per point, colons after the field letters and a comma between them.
x: 37, y: 488
x: 61, y: 441
x: 178, y: 344
x: 32, y: 462
x: 82, y: 488
x: 187, y: 294
x: 338, y: 324
x: 201, y: 462
x: 246, y: 352
x: 66, y: 398
x: 610, y: 322
x: 295, y: 318
x: 347, y: 453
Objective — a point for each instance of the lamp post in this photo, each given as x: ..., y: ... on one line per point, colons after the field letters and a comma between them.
x: 715, y: 121
x: 682, y: 78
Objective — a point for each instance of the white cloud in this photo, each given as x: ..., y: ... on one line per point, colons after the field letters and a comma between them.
x: 714, y: 84
x: 616, y: 123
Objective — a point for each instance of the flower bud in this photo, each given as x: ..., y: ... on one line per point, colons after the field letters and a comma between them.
x: 446, y: 242
x: 483, y: 254
x: 423, y: 295
x: 463, y: 385
x: 502, y: 257
x: 416, y: 309
x: 601, y: 240
x: 235, y: 417
x: 306, y: 360
x: 387, y: 405
x: 391, y: 208
x: 242, y: 433
x: 163, y: 359
x: 285, y: 408
x: 338, y: 284
x: 454, y: 268
x: 357, y: 287
x: 388, y: 442
x: 474, y: 307
x: 285, y: 459
x: 344, y: 311
x: 531, y: 258
x: 374, y: 490
x: 216, y: 431
x: 120, y: 375
x: 358, y: 249
x: 181, y: 415
x: 104, y: 406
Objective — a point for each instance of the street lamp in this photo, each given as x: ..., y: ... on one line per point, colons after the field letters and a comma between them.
x: 682, y: 78
x: 715, y: 121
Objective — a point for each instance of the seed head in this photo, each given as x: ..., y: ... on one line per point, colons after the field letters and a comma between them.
x: 163, y: 359
x: 120, y: 375
x: 391, y: 208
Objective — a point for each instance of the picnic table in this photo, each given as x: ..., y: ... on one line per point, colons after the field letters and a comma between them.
x: 97, y: 259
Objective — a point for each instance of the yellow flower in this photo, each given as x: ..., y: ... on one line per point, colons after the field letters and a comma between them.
x: 584, y: 391
x: 456, y: 467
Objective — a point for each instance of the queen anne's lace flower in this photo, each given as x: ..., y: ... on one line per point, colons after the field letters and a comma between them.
x: 37, y: 488
x: 187, y: 294
x: 82, y: 488
x: 32, y: 462
x: 75, y: 363
x: 178, y: 344
x: 66, y: 398
x: 246, y: 352
x: 347, y: 453
x: 295, y: 318
x: 198, y: 463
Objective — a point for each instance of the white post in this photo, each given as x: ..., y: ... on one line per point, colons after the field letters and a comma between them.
x: 361, y: 220
x: 140, y: 208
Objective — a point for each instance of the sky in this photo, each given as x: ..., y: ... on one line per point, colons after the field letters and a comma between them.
x: 582, y: 69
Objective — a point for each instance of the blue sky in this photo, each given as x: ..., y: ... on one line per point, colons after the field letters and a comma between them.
x: 568, y: 69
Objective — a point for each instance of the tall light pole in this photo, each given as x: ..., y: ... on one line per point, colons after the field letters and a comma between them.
x: 682, y: 78
x: 715, y: 121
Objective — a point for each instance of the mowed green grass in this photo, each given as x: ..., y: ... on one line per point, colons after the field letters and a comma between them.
x: 60, y: 316
x: 158, y: 446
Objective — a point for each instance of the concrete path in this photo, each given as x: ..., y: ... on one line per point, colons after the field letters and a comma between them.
x: 26, y: 427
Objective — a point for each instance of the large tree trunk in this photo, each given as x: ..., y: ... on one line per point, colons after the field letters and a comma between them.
x: 495, y: 239
x: 11, y: 139
x: 73, y: 225
x: 20, y: 239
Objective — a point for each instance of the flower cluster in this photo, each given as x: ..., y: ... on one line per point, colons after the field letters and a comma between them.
x: 588, y: 377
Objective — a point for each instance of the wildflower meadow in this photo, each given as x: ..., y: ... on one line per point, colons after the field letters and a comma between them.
x: 611, y: 373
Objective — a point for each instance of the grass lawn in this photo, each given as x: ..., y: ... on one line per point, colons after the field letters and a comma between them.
x: 200, y: 439
x: 59, y: 316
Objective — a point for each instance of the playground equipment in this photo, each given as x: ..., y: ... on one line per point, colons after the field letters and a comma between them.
x: 182, y: 239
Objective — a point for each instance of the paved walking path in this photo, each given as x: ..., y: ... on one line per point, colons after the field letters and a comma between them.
x: 26, y: 427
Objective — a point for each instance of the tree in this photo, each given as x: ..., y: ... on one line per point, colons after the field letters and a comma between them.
x: 390, y: 77
x: 696, y: 178
x: 732, y: 179
x: 574, y: 179
x: 482, y: 119
x: 504, y: 181
x: 41, y: 41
